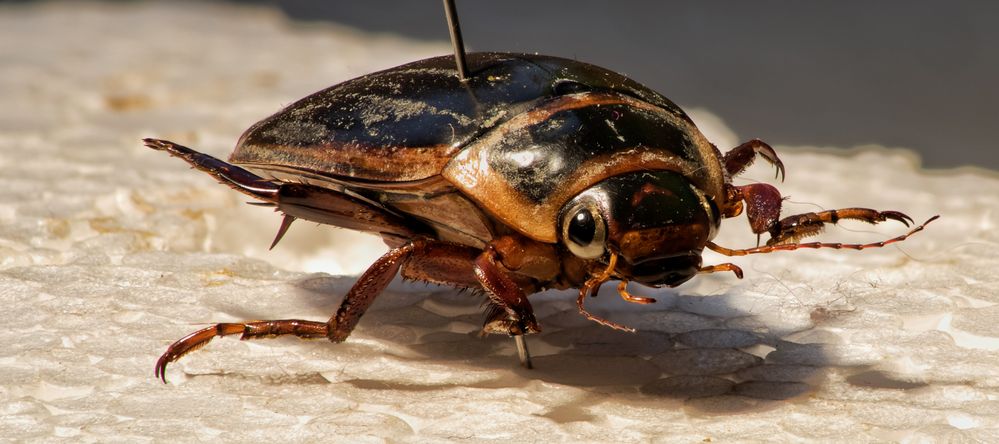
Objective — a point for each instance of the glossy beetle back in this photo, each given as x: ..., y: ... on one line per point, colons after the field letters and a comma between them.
x: 406, y: 123
x: 525, y: 170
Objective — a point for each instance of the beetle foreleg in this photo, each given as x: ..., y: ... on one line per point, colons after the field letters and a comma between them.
x: 763, y: 203
x: 815, y: 245
x: 792, y: 228
x: 741, y: 157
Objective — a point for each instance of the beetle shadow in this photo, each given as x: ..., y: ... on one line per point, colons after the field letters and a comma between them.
x: 720, y: 360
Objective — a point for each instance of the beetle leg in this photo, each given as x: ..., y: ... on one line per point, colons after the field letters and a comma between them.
x: 741, y: 157
x: 763, y: 203
x: 227, y: 174
x: 589, y: 287
x: 499, y: 322
x: 506, y: 295
x: 246, y: 330
x: 339, y: 326
x: 622, y: 290
x: 815, y: 245
x: 302, y: 201
x: 722, y: 267
x: 792, y: 228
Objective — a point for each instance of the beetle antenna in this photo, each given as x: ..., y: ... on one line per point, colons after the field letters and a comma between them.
x: 459, y: 46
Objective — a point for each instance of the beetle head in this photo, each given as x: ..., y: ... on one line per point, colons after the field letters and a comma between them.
x: 656, y: 222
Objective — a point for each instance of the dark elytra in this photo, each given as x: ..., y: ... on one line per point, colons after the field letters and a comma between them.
x: 474, y: 184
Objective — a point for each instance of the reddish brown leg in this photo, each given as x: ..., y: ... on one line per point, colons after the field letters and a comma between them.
x: 722, y: 267
x: 763, y: 206
x: 792, y: 228
x: 816, y: 245
x: 506, y: 295
x: 622, y: 290
x: 368, y: 286
x: 763, y: 203
x: 247, y: 330
x: 339, y: 326
x: 512, y: 313
x: 590, y: 286
x: 741, y: 157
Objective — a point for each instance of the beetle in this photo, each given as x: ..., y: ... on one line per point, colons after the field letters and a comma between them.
x: 530, y: 173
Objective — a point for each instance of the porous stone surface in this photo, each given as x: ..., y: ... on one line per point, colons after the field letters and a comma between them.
x: 110, y: 251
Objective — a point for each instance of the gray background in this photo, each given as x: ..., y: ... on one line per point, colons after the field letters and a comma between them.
x: 916, y: 74
x: 901, y: 73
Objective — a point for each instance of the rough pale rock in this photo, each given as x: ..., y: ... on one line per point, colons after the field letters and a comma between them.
x: 110, y: 251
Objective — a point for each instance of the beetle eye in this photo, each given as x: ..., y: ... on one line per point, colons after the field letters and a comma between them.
x: 584, y: 232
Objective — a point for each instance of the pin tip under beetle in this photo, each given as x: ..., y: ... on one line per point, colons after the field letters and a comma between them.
x: 522, y: 352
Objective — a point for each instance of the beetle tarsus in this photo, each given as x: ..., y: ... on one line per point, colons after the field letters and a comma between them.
x: 763, y: 204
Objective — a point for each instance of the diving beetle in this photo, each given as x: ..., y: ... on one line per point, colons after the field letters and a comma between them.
x: 529, y: 173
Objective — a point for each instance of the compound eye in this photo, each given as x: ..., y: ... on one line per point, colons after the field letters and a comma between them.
x: 584, y: 232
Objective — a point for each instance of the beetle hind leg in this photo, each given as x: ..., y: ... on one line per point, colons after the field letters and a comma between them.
x: 367, y: 287
x: 227, y: 174
x: 246, y: 330
x: 300, y: 201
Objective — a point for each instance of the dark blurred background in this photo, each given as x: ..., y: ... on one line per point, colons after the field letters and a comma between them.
x: 902, y: 73
x: 911, y: 73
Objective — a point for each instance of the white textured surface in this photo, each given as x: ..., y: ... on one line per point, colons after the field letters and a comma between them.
x: 110, y: 251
